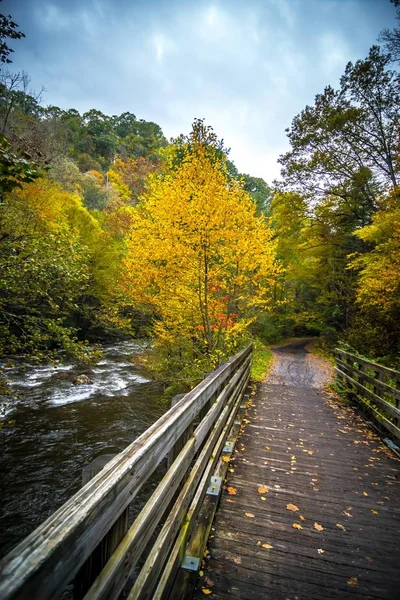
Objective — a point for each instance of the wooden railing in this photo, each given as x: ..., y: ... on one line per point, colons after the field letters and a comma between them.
x: 375, y: 387
x: 197, y: 435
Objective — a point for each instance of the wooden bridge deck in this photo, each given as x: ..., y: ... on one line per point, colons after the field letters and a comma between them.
x: 328, y: 524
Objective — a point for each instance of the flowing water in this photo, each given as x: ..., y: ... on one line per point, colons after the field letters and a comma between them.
x: 54, y: 428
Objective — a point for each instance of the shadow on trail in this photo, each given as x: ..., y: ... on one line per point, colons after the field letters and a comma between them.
x: 295, y: 366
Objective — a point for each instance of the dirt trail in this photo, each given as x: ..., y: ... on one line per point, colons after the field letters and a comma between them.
x: 295, y: 366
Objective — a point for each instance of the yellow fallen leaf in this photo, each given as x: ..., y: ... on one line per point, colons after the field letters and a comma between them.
x: 226, y: 459
x: 263, y: 498
x: 231, y: 491
x: 374, y: 512
x: 302, y: 518
x: 250, y: 515
x: 365, y: 494
x: 318, y: 527
x: 292, y: 507
x: 347, y: 513
x: 206, y: 591
x: 267, y: 448
x: 267, y: 546
x: 237, y: 560
x: 262, y: 489
x: 339, y: 526
x: 297, y: 526
x: 352, y: 581
x: 320, y: 551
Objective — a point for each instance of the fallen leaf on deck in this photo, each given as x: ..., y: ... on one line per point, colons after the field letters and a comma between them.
x: 237, y: 560
x: 302, y: 518
x: 250, y: 515
x: 352, y: 581
x: 231, y: 491
x: 267, y: 448
x: 263, y: 498
x: 318, y: 527
x: 206, y: 591
x: 292, y: 507
x: 365, y: 494
x: 374, y: 512
x: 262, y: 489
x: 347, y: 513
x: 320, y: 551
x: 297, y: 526
x: 226, y: 458
x: 339, y: 526
x: 229, y: 500
x: 267, y: 546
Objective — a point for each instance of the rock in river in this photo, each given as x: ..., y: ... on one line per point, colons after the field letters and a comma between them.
x: 82, y: 380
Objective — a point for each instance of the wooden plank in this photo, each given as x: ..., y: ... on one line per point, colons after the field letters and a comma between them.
x: 316, y: 454
x: 99, y: 557
x: 50, y: 557
x: 370, y: 395
x: 147, y: 579
x: 377, y: 383
x: 389, y: 373
x: 111, y: 581
x: 178, y: 550
x: 174, y: 452
x: 185, y: 581
x: 114, y: 576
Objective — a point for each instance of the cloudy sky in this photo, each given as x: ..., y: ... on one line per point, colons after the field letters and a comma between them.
x: 248, y: 67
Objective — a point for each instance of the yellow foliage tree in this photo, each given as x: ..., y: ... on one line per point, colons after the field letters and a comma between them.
x: 199, y: 257
x: 379, y: 278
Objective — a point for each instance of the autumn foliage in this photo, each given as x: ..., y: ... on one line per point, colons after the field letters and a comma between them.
x: 199, y: 258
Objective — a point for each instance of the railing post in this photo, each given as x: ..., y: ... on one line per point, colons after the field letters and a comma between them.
x: 96, y: 561
x: 173, y: 453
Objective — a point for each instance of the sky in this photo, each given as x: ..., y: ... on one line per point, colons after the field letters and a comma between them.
x: 248, y: 67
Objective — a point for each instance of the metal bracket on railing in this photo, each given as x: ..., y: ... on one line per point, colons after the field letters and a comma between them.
x: 215, y: 486
x: 190, y: 563
x: 228, y: 447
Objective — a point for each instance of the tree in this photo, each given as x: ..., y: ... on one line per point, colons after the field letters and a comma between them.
x: 260, y: 192
x: 8, y: 30
x: 391, y: 37
x: 348, y: 134
x: 14, y: 170
x: 376, y: 329
x: 198, y: 256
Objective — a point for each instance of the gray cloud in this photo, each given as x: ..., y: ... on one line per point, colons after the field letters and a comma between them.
x: 247, y: 67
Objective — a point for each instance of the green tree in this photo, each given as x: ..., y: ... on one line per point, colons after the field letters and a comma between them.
x: 8, y: 31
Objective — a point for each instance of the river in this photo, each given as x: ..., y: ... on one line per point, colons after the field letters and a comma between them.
x: 54, y: 428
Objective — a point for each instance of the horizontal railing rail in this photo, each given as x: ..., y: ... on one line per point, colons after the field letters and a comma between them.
x: 193, y: 435
x: 376, y: 388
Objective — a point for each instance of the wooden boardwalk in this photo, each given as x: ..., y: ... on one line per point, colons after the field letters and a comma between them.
x: 311, y: 509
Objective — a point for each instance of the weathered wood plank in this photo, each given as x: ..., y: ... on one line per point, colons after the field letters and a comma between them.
x: 183, y: 585
x: 386, y: 371
x: 99, y: 557
x: 147, y: 579
x: 380, y: 386
x: 114, y: 576
x: 369, y: 394
x: 116, y: 573
x: 317, y: 459
x: 51, y: 556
